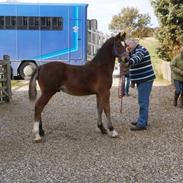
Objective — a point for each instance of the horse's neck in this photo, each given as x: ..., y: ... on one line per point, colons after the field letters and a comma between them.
x: 104, y: 56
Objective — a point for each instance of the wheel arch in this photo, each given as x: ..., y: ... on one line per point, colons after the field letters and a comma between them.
x: 23, y: 61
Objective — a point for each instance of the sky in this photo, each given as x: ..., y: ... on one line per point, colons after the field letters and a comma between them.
x: 104, y: 10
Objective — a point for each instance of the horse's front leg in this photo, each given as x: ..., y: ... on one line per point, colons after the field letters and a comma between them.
x: 106, y: 106
x: 37, y: 126
x: 99, y: 112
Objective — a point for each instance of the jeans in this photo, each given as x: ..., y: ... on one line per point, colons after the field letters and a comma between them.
x: 144, y: 91
x: 178, y: 87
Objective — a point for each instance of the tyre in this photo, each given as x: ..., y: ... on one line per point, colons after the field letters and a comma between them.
x: 26, y: 69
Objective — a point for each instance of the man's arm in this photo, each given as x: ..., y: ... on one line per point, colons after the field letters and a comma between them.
x: 174, y: 67
x: 136, y: 57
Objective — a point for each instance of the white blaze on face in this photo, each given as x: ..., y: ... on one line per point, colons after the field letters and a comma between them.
x: 123, y: 43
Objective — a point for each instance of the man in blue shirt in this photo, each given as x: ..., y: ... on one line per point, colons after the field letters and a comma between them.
x: 142, y: 74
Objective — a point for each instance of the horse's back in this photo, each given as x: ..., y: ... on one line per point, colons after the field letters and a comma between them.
x: 73, y: 79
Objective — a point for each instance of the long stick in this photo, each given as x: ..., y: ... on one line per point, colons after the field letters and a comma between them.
x: 121, y: 86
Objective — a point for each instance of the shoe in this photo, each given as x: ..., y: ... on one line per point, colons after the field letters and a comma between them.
x: 136, y: 128
x: 134, y: 123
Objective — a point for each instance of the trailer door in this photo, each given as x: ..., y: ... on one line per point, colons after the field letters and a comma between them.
x: 76, y: 42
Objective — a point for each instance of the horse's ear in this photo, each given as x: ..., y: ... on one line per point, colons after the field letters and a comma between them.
x: 122, y: 35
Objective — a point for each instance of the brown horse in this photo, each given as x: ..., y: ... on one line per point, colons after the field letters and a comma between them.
x: 94, y: 77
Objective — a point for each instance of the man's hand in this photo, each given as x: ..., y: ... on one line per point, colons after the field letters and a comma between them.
x: 124, y: 64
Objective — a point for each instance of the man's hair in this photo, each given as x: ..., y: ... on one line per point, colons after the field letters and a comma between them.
x: 131, y: 43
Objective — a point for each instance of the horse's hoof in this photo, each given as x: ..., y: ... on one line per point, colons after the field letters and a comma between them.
x: 41, y: 132
x: 101, y: 129
x: 113, y: 133
x: 38, y: 141
x: 104, y: 131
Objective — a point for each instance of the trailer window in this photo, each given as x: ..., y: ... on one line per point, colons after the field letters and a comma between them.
x: 8, y: 22
x: 45, y: 23
x: 31, y: 23
x: 25, y: 20
x: 57, y: 23
x: 19, y: 22
x: 1, y: 22
x: 13, y: 21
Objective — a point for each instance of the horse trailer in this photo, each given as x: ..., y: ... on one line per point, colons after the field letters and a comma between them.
x: 34, y: 34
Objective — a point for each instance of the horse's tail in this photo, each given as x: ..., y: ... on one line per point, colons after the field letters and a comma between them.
x: 32, y: 86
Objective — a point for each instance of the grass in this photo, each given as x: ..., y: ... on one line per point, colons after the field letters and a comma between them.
x: 15, y: 82
x: 18, y: 83
x: 151, y: 44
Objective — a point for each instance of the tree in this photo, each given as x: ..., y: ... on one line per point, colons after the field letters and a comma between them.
x: 170, y: 32
x: 130, y: 20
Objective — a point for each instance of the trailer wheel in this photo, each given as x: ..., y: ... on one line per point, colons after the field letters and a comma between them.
x: 26, y: 70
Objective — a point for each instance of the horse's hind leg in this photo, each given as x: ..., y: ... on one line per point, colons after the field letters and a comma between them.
x: 99, y: 120
x: 39, y: 106
x: 106, y: 106
x: 41, y: 131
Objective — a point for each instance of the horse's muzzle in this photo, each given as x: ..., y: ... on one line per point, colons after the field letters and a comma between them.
x: 124, y: 58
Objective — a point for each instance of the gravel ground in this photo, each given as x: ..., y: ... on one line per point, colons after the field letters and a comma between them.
x: 74, y: 152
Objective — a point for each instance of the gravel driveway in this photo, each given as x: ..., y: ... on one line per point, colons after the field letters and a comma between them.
x: 74, y: 152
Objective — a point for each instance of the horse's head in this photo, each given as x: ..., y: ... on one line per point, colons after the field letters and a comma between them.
x: 119, y: 46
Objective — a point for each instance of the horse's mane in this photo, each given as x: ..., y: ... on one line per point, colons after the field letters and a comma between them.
x: 103, y: 52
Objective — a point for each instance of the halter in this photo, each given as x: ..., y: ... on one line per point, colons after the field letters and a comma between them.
x: 116, y: 53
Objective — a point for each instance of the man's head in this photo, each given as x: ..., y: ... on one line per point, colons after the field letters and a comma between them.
x: 131, y: 45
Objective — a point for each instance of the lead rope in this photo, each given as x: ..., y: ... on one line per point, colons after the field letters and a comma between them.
x: 121, y: 86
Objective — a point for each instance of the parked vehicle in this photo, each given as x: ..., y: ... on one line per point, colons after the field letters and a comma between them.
x: 34, y: 34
